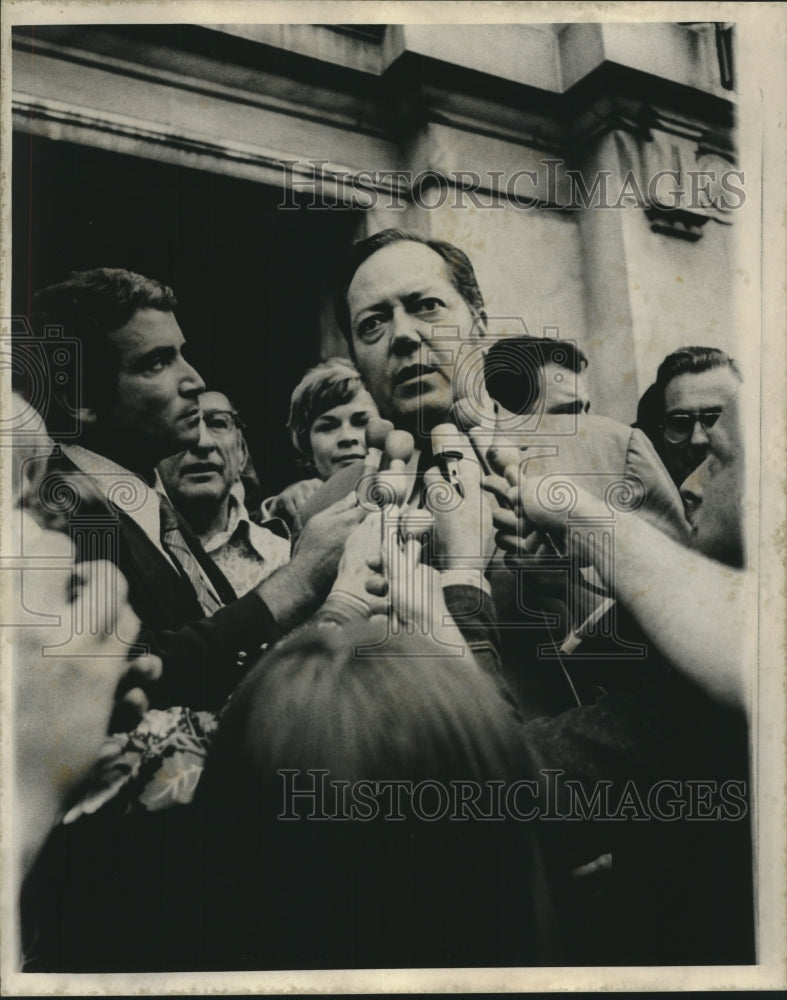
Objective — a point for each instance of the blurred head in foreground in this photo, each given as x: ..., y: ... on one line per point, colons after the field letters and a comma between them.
x: 332, y: 877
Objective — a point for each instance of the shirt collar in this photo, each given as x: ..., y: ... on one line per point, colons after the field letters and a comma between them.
x: 237, y: 520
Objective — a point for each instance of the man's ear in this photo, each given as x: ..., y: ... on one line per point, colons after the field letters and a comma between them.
x: 86, y: 416
x: 244, y: 451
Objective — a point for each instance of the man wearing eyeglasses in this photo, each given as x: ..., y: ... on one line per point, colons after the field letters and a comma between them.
x: 204, y: 484
x: 692, y: 387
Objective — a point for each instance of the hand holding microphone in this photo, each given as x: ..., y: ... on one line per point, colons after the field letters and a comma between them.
x: 464, y: 532
x: 478, y: 423
x: 517, y: 532
x: 523, y: 529
x: 390, y: 487
x: 398, y: 450
x: 445, y: 448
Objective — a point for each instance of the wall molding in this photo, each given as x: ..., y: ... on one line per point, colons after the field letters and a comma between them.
x: 65, y: 121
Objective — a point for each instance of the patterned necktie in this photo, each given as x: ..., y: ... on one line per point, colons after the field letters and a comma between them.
x: 175, y: 544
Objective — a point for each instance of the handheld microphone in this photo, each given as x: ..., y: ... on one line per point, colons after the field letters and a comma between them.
x: 391, y: 486
x: 503, y: 460
x: 399, y: 447
x: 467, y: 418
x: 444, y: 449
x: 416, y: 525
x: 376, y: 432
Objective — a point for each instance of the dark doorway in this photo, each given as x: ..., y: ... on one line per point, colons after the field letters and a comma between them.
x: 252, y: 281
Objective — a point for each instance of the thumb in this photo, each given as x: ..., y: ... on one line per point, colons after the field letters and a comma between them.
x: 345, y: 503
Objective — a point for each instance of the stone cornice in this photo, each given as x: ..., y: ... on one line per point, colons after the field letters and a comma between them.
x: 412, y: 90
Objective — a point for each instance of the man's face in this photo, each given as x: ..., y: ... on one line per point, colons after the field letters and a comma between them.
x: 338, y: 436
x: 564, y: 391
x: 154, y: 410
x: 209, y: 469
x: 398, y: 300
x: 691, y: 400
x: 717, y: 486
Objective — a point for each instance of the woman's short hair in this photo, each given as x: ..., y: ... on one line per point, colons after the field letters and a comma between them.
x: 331, y: 383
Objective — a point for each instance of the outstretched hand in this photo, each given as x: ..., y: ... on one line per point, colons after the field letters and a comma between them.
x: 290, y: 502
x: 357, y: 568
x: 296, y: 590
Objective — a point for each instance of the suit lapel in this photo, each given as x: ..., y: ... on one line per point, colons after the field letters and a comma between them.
x: 160, y: 596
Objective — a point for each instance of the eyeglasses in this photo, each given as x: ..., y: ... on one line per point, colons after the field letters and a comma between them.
x: 678, y: 427
x: 221, y: 422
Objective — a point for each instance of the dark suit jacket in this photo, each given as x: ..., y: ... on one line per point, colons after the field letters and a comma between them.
x: 202, y: 656
x: 615, y: 463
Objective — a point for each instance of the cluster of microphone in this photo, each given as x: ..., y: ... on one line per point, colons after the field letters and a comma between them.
x: 388, y: 482
x: 389, y: 451
x: 385, y: 479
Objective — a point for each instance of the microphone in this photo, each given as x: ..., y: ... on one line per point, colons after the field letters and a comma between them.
x: 416, y: 526
x: 399, y: 448
x: 376, y: 432
x: 467, y: 418
x: 444, y: 449
x: 391, y: 486
x: 504, y: 459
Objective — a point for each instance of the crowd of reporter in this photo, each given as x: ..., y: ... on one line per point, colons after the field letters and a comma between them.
x: 424, y: 610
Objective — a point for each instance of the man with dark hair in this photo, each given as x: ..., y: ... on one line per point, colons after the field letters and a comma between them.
x: 693, y: 385
x: 101, y: 892
x: 537, y: 374
x: 137, y: 401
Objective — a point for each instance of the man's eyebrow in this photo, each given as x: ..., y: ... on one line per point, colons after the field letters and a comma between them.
x: 682, y: 411
x: 375, y: 307
x: 427, y: 292
x: 424, y: 293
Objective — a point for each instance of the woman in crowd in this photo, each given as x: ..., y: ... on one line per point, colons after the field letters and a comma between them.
x: 329, y: 411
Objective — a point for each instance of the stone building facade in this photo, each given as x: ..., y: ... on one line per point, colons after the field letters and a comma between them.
x: 588, y: 169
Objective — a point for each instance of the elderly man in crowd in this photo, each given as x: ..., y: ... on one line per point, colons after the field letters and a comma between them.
x: 204, y: 483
